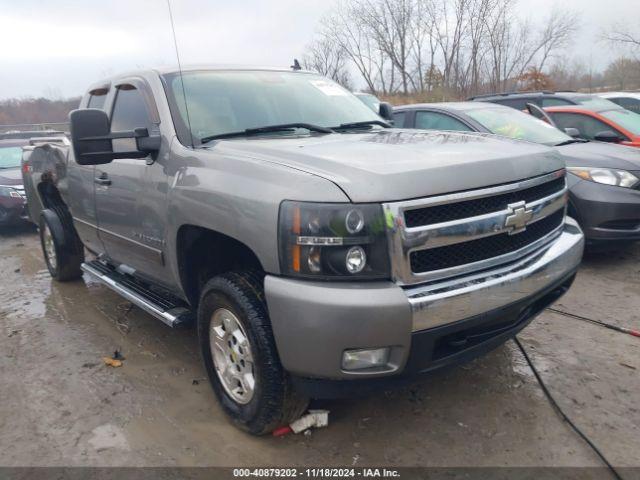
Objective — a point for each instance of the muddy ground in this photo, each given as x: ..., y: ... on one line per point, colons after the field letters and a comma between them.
x: 61, y: 406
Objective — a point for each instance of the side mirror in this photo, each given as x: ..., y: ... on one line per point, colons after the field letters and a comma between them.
x: 607, y: 136
x: 386, y: 111
x: 91, y: 138
x: 85, y: 124
x: 572, y: 132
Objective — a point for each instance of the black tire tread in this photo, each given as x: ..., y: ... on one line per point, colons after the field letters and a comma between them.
x: 280, y: 404
x: 69, y: 249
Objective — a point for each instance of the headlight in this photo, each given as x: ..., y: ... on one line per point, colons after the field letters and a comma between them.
x: 333, y: 240
x: 607, y: 176
x: 9, y: 192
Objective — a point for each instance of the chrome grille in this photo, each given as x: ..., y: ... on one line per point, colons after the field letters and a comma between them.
x: 483, y: 248
x: 471, y: 208
x: 449, y: 235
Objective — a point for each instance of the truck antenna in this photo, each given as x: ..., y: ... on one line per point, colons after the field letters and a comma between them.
x: 184, y: 94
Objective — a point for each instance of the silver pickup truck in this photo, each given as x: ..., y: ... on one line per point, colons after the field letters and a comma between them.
x: 319, y: 251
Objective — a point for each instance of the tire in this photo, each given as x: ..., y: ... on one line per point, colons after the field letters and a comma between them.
x: 61, y: 247
x: 272, y: 402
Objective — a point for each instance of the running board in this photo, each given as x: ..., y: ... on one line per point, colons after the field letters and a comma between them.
x: 169, y: 311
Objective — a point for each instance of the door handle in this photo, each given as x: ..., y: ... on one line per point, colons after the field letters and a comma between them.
x: 103, y: 180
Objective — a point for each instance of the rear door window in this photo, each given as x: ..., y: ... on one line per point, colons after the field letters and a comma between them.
x: 129, y: 112
x: 632, y: 104
x: 439, y: 121
x: 398, y: 119
x: 96, y: 100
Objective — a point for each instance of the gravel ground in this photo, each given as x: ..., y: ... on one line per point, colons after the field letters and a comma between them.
x: 61, y: 406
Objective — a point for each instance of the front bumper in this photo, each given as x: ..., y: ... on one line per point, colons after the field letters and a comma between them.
x: 606, y: 213
x: 426, y: 327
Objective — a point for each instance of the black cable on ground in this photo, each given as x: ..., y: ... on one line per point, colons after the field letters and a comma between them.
x: 629, y: 331
x: 564, y: 416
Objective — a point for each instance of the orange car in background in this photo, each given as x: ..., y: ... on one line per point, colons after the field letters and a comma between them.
x: 601, y: 124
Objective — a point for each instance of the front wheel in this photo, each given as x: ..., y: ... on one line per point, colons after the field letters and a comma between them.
x: 240, y: 355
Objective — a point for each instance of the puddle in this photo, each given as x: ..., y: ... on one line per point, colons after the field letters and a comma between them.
x: 520, y: 366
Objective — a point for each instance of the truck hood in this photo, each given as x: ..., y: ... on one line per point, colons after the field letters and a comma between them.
x: 394, y: 164
x: 598, y: 154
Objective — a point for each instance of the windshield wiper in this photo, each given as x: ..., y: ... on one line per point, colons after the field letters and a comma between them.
x: 270, y: 128
x: 365, y: 124
x: 569, y: 142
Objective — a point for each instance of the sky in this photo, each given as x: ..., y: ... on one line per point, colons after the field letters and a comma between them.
x: 56, y: 48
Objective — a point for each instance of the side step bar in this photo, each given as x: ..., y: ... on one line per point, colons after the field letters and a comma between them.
x: 168, y: 311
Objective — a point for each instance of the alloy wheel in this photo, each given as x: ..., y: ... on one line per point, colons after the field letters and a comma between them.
x: 232, y: 355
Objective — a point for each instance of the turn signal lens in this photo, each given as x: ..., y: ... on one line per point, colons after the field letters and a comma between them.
x: 295, y: 258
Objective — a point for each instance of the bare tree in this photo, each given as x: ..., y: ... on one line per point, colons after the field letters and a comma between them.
x: 622, y: 73
x: 425, y: 41
x: 622, y: 35
x: 559, y: 30
x: 516, y: 47
x: 327, y: 58
x: 507, y: 41
x: 391, y: 22
x: 458, y: 46
x: 449, y: 35
x: 348, y: 33
x: 569, y: 73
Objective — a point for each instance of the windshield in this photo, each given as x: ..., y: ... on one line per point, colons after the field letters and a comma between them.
x: 626, y: 119
x: 220, y: 102
x: 512, y: 123
x: 370, y: 101
x: 10, y: 157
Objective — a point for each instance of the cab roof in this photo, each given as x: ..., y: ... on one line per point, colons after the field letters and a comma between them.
x: 172, y: 69
x: 459, y: 106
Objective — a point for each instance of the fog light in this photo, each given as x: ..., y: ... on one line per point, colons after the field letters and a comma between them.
x: 356, y: 260
x: 361, y: 359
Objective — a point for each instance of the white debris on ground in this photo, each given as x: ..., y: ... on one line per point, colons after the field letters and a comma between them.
x: 313, y: 419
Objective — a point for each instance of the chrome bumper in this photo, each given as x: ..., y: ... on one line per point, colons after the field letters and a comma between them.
x: 453, y: 300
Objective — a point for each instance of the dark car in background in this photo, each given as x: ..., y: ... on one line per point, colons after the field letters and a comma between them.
x: 627, y: 100
x: 604, y: 185
x: 12, y: 197
x: 13, y: 200
x: 545, y: 98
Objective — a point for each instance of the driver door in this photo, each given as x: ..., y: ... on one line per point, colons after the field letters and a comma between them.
x: 127, y: 200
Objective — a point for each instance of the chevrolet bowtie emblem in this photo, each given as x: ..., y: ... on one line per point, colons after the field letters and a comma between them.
x: 518, y: 217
